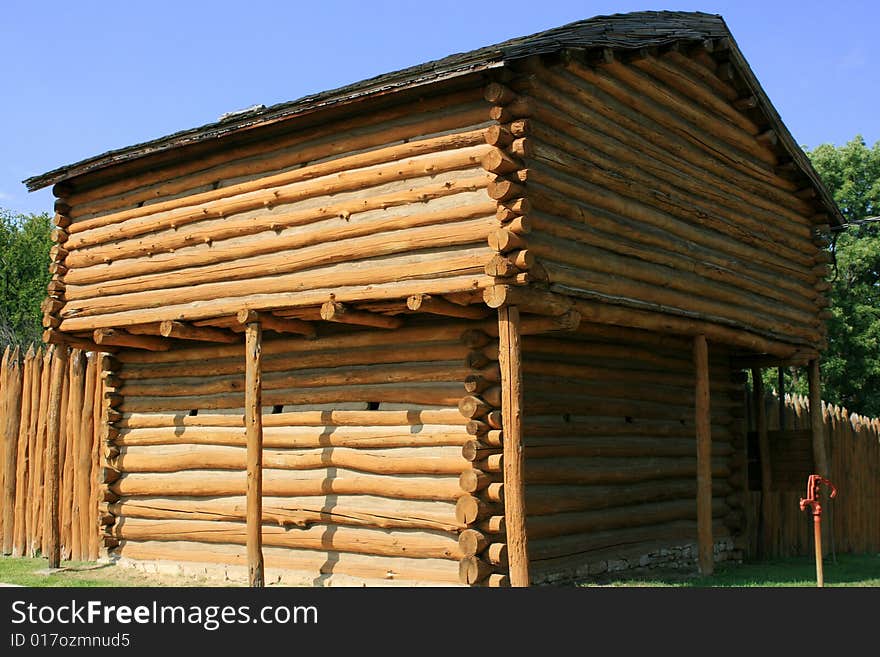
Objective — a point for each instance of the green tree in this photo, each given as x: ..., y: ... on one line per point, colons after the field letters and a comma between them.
x: 851, y: 364
x: 24, y: 273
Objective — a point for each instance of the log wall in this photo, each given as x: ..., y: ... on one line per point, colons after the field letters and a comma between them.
x: 385, y: 203
x: 611, y: 450
x: 363, y: 451
x: 648, y: 188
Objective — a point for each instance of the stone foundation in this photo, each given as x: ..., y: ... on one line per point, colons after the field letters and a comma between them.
x: 682, y: 557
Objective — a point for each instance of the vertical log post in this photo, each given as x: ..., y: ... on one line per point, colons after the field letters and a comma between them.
x: 253, y: 420
x: 703, y: 421
x: 764, y: 453
x: 510, y: 361
x: 817, y: 423
x: 53, y: 431
x: 12, y: 413
x: 780, y: 379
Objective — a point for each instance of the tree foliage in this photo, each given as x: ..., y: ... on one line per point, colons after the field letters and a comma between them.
x: 24, y: 274
x: 851, y: 364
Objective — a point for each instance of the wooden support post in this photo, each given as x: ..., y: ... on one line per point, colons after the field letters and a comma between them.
x: 817, y: 423
x: 510, y: 360
x: 764, y: 452
x: 254, y: 428
x: 703, y: 421
x: 52, y: 528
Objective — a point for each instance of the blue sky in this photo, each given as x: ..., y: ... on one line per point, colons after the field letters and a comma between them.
x: 78, y: 78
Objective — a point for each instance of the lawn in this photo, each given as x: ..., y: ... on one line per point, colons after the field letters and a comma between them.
x: 850, y: 570
x: 34, y: 572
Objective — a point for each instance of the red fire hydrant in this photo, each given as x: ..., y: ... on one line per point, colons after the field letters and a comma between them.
x: 812, y: 500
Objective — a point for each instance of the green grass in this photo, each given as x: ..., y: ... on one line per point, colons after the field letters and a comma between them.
x: 34, y: 572
x: 850, y: 570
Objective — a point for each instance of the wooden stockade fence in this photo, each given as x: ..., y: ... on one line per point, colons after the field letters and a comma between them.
x: 24, y: 467
x: 853, y: 447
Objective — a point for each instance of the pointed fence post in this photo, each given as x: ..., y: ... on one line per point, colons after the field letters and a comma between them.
x: 53, y: 433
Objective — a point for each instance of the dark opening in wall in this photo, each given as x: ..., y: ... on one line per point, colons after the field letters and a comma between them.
x: 277, y: 408
x: 194, y: 411
x: 373, y: 406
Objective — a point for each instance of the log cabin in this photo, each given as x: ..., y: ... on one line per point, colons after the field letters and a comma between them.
x: 482, y: 321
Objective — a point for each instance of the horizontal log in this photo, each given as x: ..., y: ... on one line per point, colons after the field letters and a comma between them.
x: 400, y: 124
x: 610, y: 314
x: 295, y: 360
x: 287, y: 483
x: 177, y: 458
x: 544, y: 499
x: 437, y: 113
x: 299, y: 437
x: 504, y: 240
x: 270, y: 322
x: 341, y: 174
x: 561, y: 524
x: 503, y: 190
x: 471, y: 542
x: 530, y: 300
x: 659, y: 280
x: 752, y: 161
x: 555, y: 146
x: 413, y: 393
x: 600, y: 285
x: 471, y: 481
x: 546, y: 175
x: 579, y: 544
x: 333, y: 311
x: 498, y: 161
x: 627, y: 123
x: 117, y: 338
x: 473, y: 407
x: 444, y: 284
x: 602, y: 470
x: 498, y: 94
x: 415, y: 418
x: 397, y: 269
x: 472, y: 570
x: 663, y: 249
x: 306, y: 260
x: 417, y: 543
x: 320, y: 245
x: 470, y: 509
x: 306, y: 563
x: 439, y: 306
x: 593, y: 445
x: 498, y: 135
x: 171, y: 329
x: 363, y: 510
x: 344, y: 216
x: 178, y: 386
